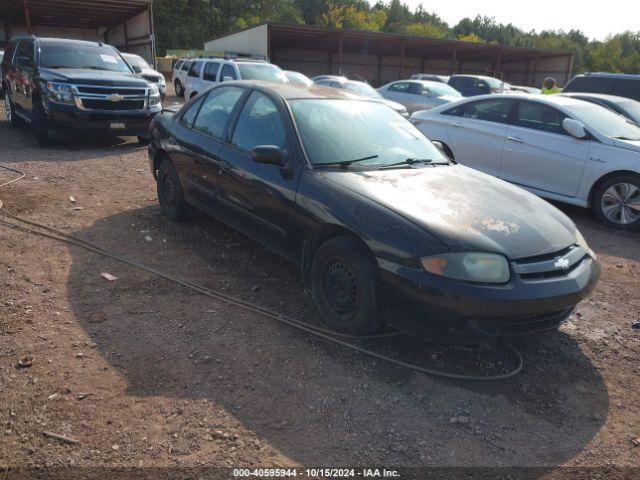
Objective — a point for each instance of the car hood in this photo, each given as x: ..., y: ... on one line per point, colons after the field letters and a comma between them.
x: 92, y: 77
x: 633, y: 145
x: 466, y: 210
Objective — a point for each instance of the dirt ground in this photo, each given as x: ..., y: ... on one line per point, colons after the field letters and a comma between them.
x: 149, y: 375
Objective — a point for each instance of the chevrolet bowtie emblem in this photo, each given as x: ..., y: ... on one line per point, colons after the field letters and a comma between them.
x: 562, y: 263
x: 115, y: 98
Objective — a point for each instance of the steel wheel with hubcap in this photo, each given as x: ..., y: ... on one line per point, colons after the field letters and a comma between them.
x: 344, y: 280
x: 170, y: 193
x: 617, y: 202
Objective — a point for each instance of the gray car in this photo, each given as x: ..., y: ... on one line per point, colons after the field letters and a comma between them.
x: 419, y: 94
x: 624, y: 106
x: 364, y: 89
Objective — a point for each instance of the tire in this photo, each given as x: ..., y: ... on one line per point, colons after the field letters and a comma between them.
x: 39, y: 124
x: 345, y: 284
x: 616, y: 202
x: 144, y: 140
x: 179, y: 88
x: 170, y: 193
x: 10, y: 112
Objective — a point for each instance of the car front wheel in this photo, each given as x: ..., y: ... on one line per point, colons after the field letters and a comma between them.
x: 179, y: 88
x: 10, y: 112
x: 170, y: 193
x: 617, y: 202
x: 344, y: 280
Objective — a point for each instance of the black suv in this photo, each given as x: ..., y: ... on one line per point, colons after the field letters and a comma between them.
x: 64, y: 86
x: 620, y: 84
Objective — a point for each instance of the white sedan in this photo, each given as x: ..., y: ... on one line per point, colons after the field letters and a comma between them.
x: 557, y: 147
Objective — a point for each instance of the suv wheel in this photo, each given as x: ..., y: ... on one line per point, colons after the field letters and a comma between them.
x: 10, y: 112
x: 179, y: 88
x: 344, y: 280
x: 170, y: 194
x: 39, y: 123
x: 617, y: 202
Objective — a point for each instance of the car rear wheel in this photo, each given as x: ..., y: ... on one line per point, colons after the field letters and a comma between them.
x: 143, y: 140
x: 617, y: 202
x: 170, y: 193
x: 344, y: 279
x: 179, y: 88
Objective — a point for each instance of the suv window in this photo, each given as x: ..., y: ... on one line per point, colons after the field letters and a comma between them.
x: 259, y: 124
x: 402, y: 87
x: 628, y: 88
x: 211, y: 71
x: 591, y: 85
x: 178, y: 65
x: 489, y: 110
x: 469, y: 86
x: 185, y: 66
x: 538, y: 116
x: 195, y: 70
x: 228, y: 71
x: 24, y: 53
x: 216, y: 111
x: 189, y: 116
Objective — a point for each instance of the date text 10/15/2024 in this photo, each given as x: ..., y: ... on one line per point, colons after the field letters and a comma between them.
x: 316, y: 472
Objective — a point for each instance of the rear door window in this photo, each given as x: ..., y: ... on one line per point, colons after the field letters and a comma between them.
x: 538, y: 116
x: 185, y: 66
x: 216, y: 110
x: 211, y: 71
x: 493, y: 110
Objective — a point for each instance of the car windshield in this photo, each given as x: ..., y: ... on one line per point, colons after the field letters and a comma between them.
x: 298, y: 77
x: 136, y: 61
x: 362, y: 89
x: 631, y: 107
x: 334, y: 130
x: 442, y: 90
x: 261, y: 71
x: 605, y: 121
x: 95, y: 57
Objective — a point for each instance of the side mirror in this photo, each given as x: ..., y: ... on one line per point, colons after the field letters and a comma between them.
x: 574, y: 128
x: 269, y: 154
x: 136, y: 69
x: 227, y: 78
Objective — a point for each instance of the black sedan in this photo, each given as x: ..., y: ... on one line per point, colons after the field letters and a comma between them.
x: 385, y: 228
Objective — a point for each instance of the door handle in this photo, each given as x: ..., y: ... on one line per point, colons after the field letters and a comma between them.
x: 457, y: 124
x: 515, y: 139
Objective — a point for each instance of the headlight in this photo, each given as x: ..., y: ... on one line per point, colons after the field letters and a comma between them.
x: 60, y: 93
x: 583, y: 243
x: 469, y: 267
x: 154, y: 96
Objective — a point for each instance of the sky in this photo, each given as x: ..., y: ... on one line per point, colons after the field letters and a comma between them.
x: 597, y: 20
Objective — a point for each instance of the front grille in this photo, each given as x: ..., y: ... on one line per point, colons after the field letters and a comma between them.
x: 109, y: 90
x: 552, y: 265
x: 110, y: 98
x: 113, y: 106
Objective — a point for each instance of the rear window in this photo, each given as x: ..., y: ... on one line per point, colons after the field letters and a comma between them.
x: 628, y: 88
x: 470, y: 86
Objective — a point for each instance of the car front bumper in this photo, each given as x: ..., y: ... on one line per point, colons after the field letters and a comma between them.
x: 437, y: 308
x: 68, y: 119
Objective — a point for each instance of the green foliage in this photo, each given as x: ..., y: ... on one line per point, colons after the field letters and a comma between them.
x: 187, y: 24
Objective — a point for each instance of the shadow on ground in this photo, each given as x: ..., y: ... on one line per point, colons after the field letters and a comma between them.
x: 317, y: 403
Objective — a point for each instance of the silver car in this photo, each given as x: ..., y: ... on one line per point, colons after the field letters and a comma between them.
x: 364, y: 89
x: 419, y: 94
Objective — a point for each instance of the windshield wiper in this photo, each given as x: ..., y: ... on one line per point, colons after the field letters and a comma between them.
x: 627, y: 138
x: 408, y: 161
x: 344, y: 164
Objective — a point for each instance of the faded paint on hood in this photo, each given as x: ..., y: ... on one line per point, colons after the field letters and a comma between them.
x: 465, y: 209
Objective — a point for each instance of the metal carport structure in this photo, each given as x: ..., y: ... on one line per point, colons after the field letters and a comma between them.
x: 125, y: 24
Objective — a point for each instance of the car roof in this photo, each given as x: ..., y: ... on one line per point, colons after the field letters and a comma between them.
x: 296, y: 91
x: 67, y: 41
x: 611, y: 75
x: 475, y: 76
x: 420, y: 81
